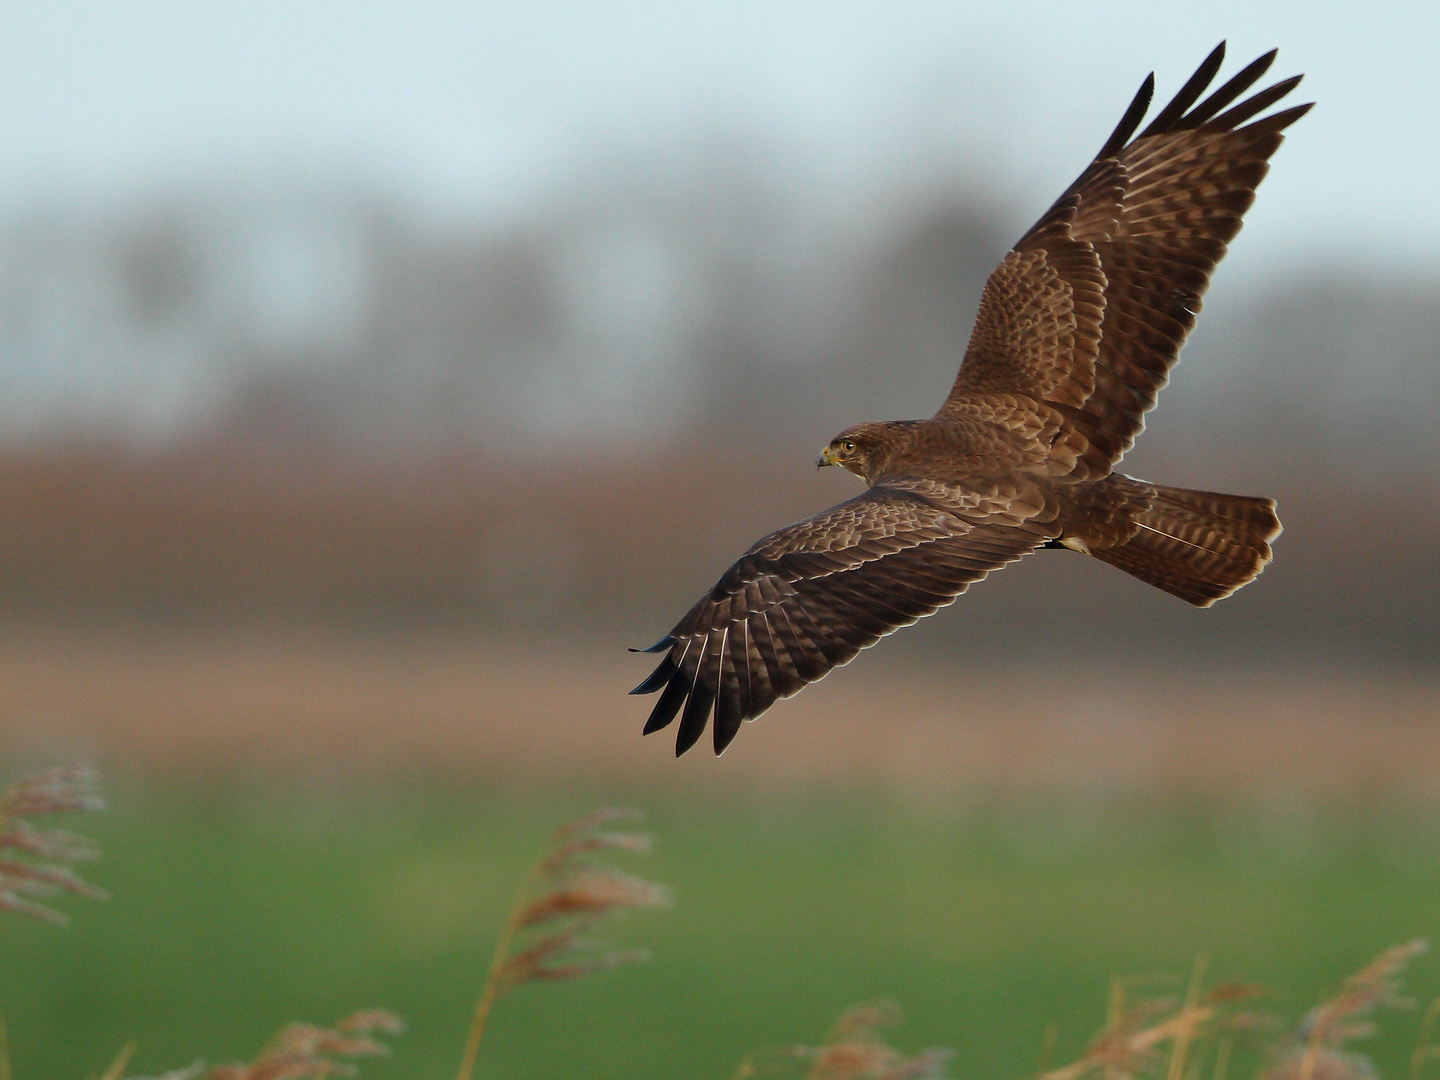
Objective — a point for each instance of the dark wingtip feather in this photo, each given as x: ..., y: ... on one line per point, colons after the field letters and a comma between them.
x: 1175, y: 118
x: 1189, y: 93
x: 727, y: 726
x: 1289, y: 116
x: 657, y: 678
x: 1232, y: 89
x: 668, y: 705
x: 1261, y: 101
x: 730, y: 707
x: 1131, y: 120
x: 692, y: 723
x: 1260, y: 64
x: 659, y: 646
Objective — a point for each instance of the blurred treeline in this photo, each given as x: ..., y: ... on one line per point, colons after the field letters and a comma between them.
x: 303, y: 402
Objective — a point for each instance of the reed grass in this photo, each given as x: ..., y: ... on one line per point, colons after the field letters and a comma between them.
x: 34, y: 860
x: 569, y: 891
x: 855, y: 1049
x: 1158, y: 1037
x: 564, y: 896
x: 297, y: 1052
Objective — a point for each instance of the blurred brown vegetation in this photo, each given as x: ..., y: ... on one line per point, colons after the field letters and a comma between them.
x: 308, y: 408
x: 615, y: 546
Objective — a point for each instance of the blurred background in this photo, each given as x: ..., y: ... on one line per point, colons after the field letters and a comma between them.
x: 372, y: 376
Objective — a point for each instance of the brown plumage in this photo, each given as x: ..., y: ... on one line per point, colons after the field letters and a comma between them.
x: 1076, y: 333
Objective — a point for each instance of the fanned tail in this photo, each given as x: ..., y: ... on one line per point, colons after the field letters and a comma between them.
x: 1198, y: 545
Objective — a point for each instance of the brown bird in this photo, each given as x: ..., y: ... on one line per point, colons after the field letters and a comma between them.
x: 1076, y: 333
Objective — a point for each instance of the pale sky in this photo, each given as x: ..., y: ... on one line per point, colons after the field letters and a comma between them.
x: 479, y: 110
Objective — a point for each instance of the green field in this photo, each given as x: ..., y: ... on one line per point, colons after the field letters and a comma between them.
x: 238, y: 907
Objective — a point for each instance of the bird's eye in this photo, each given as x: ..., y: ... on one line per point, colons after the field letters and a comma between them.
x: 848, y: 446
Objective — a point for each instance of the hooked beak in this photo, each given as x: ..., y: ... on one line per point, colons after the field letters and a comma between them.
x: 827, y: 457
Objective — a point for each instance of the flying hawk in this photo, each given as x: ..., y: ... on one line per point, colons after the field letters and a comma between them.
x: 1076, y: 333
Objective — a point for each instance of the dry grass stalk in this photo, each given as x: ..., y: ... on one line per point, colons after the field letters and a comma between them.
x: 1314, y: 1051
x: 564, y: 896
x: 30, y: 856
x: 1134, y: 1038
x: 307, y: 1052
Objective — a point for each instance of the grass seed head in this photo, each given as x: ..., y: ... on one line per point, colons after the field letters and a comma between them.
x: 31, y: 856
x: 854, y: 1050
x: 1374, y: 986
x: 1156, y: 1036
x: 306, y: 1051
x: 55, y: 844
x: 581, y: 965
x: 566, y: 894
x: 594, y: 891
x: 577, y: 893
x: 572, y: 850
x: 1314, y: 1051
x: 369, y: 1021
x: 63, y: 790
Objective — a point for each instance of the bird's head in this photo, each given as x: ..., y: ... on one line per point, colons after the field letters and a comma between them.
x: 859, y: 449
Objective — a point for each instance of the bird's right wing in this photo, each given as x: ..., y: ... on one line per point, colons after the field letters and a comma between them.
x: 1086, y: 316
x: 807, y: 598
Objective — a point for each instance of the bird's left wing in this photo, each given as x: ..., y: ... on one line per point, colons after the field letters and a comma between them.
x: 807, y: 598
x: 1085, y: 317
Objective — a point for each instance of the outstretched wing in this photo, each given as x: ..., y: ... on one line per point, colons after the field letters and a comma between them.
x: 807, y: 598
x: 1088, y: 312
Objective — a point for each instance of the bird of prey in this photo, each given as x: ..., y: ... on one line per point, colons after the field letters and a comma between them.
x: 1077, y: 330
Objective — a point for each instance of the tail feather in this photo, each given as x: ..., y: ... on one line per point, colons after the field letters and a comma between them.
x: 1198, y: 545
